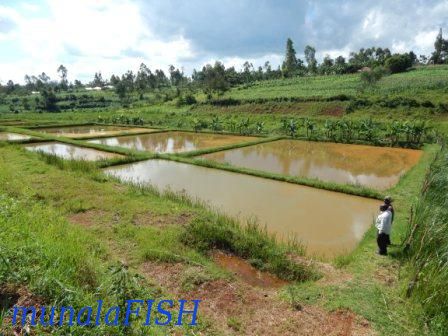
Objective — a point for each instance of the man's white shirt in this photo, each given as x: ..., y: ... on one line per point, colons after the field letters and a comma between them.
x: 384, y: 222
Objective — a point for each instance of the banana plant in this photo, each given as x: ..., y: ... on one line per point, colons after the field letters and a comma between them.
x: 330, y: 128
x: 367, y: 130
x: 231, y: 124
x: 394, y: 131
x: 259, y: 127
x: 197, y: 124
x: 310, y: 127
x: 346, y: 129
x: 243, y: 126
x: 216, y: 124
x: 292, y: 128
x: 418, y: 130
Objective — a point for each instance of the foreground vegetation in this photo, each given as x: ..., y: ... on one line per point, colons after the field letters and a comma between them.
x: 426, y: 248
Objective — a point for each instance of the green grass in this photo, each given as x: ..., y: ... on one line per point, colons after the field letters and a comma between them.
x: 427, y: 252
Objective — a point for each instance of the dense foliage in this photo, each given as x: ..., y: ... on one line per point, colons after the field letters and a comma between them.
x: 428, y: 249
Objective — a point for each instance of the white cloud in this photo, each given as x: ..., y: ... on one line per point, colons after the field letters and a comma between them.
x: 113, y: 36
x: 98, y: 32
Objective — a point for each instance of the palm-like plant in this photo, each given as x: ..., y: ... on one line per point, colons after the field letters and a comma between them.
x: 216, y: 124
x: 310, y: 127
x: 367, y: 130
x: 259, y: 127
x: 330, y: 128
x: 419, y: 128
x: 243, y: 126
x: 292, y: 127
x: 197, y: 124
x: 346, y: 129
x: 231, y: 124
x: 394, y: 131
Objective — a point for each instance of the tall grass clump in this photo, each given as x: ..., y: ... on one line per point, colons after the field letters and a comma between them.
x: 427, y: 247
x: 77, y: 165
x: 249, y: 242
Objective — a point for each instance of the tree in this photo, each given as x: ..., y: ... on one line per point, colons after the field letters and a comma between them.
x: 114, y: 80
x: 398, y: 63
x: 327, y: 66
x: 440, y: 54
x: 310, y: 57
x: 78, y: 84
x: 142, y: 81
x: 371, y: 77
x: 62, y: 71
x: 290, y: 65
x: 176, y: 76
x: 248, y: 69
x: 49, y: 101
x: 340, y: 65
x: 98, y: 80
x: 44, y: 78
x: 214, y: 79
x: 122, y: 90
x: 10, y: 86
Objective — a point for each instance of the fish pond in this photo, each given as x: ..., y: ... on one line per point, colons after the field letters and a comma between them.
x: 328, y: 223
x: 374, y: 167
x: 90, y: 130
x: 173, y: 142
x: 71, y: 152
x: 7, y: 136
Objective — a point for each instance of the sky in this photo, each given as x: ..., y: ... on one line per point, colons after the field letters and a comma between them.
x: 113, y: 36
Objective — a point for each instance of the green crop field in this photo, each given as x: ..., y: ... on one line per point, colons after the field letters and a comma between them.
x: 424, y: 83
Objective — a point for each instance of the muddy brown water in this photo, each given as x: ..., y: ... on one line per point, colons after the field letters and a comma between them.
x: 246, y: 272
x: 7, y: 136
x: 375, y: 167
x: 328, y: 223
x: 90, y: 130
x: 71, y: 152
x: 172, y: 142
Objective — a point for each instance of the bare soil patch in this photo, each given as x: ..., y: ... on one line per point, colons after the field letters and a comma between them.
x: 11, y: 296
x: 152, y: 219
x: 87, y: 218
x: 334, y: 111
x: 387, y: 274
x: 237, y: 308
x: 330, y: 274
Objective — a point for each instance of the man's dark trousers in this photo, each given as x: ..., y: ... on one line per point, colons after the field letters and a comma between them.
x: 381, y: 240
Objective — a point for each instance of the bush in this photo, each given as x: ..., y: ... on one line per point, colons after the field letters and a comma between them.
x: 398, y: 63
x: 249, y: 242
x: 373, y: 76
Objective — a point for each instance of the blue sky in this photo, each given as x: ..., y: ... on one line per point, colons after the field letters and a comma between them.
x: 113, y: 36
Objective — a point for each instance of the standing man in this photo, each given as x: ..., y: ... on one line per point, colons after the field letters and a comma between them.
x: 383, y: 225
x: 388, y: 202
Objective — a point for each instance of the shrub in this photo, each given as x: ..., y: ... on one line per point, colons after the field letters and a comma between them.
x: 398, y: 63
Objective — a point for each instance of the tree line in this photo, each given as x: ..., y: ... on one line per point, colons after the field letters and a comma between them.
x: 215, y: 79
